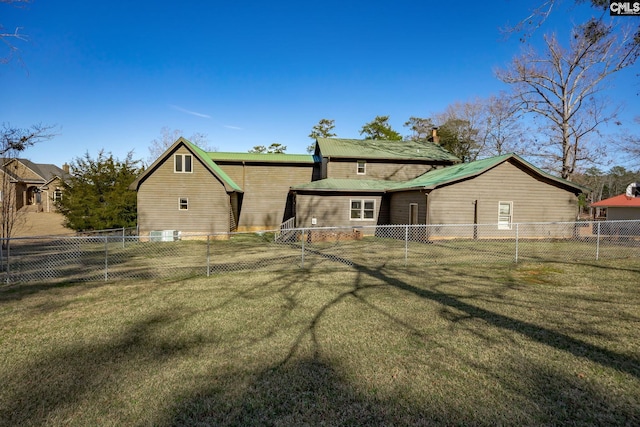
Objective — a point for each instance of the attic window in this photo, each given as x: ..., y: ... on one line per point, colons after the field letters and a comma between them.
x: 182, y: 163
x: 361, y: 168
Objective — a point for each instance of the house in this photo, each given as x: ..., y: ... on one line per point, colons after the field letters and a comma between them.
x: 193, y: 191
x: 345, y: 182
x: 624, y: 206
x: 31, y: 186
x: 467, y: 193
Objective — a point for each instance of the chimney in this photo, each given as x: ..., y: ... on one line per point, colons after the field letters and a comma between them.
x: 434, y: 136
x: 65, y: 168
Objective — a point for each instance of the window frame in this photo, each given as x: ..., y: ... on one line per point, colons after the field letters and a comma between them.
x: 362, y: 209
x: 183, y: 203
x: 505, y: 221
x: 360, y: 163
x: 180, y: 163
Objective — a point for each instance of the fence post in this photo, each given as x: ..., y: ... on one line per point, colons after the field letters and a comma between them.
x: 303, y: 237
x: 517, y: 240
x: 598, y: 243
x: 208, y: 256
x: 123, y: 238
x: 406, y: 244
x: 106, y: 258
x: 6, y: 273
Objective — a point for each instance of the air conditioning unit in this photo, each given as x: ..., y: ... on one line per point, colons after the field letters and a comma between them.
x: 164, y: 235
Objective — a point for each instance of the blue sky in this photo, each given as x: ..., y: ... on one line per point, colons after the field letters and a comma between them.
x: 245, y: 73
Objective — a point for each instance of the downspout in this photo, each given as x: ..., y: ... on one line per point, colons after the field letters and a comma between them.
x: 427, y: 218
x: 244, y: 168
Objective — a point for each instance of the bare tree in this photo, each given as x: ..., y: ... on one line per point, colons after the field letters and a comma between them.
x: 461, y: 128
x: 630, y: 144
x: 9, y: 35
x: 503, y: 130
x: 561, y: 88
x: 12, y: 142
x: 168, y: 136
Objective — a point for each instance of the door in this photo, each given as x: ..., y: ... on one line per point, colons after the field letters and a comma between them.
x: 413, y: 213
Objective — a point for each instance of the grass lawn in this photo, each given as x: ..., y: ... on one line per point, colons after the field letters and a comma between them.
x: 480, y: 344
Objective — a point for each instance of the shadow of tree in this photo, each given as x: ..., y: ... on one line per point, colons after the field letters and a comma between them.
x: 546, y: 336
x: 307, y: 384
x: 70, y: 374
x: 304, y: 392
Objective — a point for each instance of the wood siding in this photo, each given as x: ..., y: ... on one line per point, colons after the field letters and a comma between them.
x: 342, y: 168
x: 332, y: 210
x: 159, y: 194
x: 533, y: 199
x: 266, y: 187
x: 400, y: 207
x: 615, y: 214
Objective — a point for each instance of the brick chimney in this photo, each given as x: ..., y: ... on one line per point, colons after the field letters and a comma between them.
x: 65, y: 168
x: 434, y: 136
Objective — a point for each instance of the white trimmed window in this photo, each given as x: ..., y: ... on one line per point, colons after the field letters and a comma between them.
x: 361, y: 168
x: 362, y: 209
x: 183, y: 163
x: 57, y: 195
x: 505, y: 215
x: 183, y: 204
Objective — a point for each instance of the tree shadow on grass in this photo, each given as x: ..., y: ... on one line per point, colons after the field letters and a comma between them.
x: 310, y: 388
x: 546, y: 336
x: 66, y: 376
x: 302, y: 392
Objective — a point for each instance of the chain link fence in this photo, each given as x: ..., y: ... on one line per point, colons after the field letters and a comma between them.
x: 181, y: 255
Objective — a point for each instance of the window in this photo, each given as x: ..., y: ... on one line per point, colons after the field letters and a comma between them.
x: 182, y: 163
x: 505, y: 215
x: 362, y: 209
x: 361, y: 169
x: 57, y: 195
x: 183, y: 204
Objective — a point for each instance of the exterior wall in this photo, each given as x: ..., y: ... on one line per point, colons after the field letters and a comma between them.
x: 344, y: 168
x: 48, y: 202
x: 533, y: 200
x: 158, y: 195
x: 400, y: 207
x: 266, y: 187
x: 19, y: 169
x: 332, y: 210
x: 615, y: 214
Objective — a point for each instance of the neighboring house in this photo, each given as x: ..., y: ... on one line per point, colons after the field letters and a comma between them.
x: 622, y: 207
x: 33, y: 186
x: 346, y: 182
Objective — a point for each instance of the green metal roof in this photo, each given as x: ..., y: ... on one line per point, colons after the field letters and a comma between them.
x: 262, y: 157
x: 336, y: 184
x: 431, y: 179
x: 438, y: 177
x: 204, y: 156
x: 382, y: 149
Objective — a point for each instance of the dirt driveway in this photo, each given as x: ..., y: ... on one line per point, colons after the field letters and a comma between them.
x: 32, y: 224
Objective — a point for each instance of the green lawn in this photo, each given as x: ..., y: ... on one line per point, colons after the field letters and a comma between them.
x: 467, y: 344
